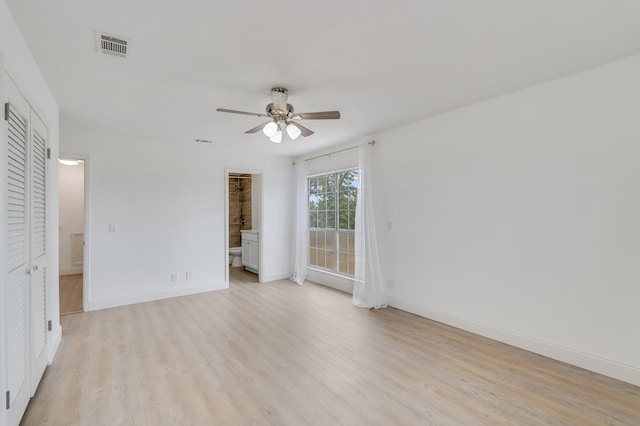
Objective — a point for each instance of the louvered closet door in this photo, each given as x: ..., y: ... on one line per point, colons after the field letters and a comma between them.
x: 38, y: 228
x: 16, y: 293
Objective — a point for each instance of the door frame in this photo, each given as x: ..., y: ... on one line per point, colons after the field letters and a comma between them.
x: 86, y: 261
x: 252, y: 172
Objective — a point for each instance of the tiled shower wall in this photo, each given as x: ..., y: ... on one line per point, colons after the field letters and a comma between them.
x: 239, y: 207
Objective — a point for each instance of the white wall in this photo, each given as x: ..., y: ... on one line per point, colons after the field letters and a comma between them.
x: 16, y: 55
x: 167, y: 202
x: 517, y: 218
x: 71, y: 213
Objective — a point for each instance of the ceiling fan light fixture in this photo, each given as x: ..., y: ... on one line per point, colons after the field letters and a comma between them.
x: 277, y: 137
x: 270, y: 129
x: 280, y: 115
x: 293, y: 131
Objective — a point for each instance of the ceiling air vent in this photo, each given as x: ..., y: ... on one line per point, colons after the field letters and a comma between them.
x: 110, y: 45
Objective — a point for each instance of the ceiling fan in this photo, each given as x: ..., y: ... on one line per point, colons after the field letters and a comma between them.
x: 282, y: 117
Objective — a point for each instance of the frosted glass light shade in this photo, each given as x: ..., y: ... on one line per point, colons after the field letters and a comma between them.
x: 293, y: 131
x: 270, y: 129
x: 277, y: 138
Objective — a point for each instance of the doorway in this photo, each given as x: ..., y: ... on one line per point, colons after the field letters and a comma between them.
x: 243, y: 225
x: 71, y: 249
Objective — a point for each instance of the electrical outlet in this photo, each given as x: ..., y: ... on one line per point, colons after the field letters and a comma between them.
x: 174, y: 277
x: 188, y: 275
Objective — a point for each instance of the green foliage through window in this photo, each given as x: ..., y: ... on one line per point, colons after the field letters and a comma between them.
x: 332, y: 214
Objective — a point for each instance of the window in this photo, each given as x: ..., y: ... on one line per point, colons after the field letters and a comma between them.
x: 332, y: 216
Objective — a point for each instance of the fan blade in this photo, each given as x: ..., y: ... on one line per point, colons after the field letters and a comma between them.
x: 257, y: 128
x: 324, y: 115
x: 305, y: 132
x: 241, y: 112
x: 279, y: 96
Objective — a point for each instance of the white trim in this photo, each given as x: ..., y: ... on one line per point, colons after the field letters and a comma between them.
x: 114, y: 302
x: 626, y: 373
x: 57, y: 338
x: 270, y: 278
x: 333, y: 171
x: 330, y: 279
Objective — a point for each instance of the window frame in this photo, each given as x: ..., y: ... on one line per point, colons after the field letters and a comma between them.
x: 336, y: 230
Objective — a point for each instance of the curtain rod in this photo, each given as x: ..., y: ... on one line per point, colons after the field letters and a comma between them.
x: 371, y: 142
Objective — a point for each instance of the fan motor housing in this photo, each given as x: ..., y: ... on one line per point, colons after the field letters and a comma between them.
x: 279, y: 113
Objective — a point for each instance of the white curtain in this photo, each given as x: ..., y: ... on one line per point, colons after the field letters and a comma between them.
x: 301, y: 223
x: 369, y: 290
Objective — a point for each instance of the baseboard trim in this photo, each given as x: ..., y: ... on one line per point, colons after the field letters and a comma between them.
x: 327, y: 279
x: 55, y: 344
x: 95, y: 305
x: 607, y: 367
x: 270, y: 278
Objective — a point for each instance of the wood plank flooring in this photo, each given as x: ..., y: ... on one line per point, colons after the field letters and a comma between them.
x: 277, y: 353
x: 70, y: 294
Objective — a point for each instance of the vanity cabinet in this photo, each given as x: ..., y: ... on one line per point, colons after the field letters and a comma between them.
x: 251, y: 250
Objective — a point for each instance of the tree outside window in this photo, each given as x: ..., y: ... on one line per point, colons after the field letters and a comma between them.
x: 332, y: 213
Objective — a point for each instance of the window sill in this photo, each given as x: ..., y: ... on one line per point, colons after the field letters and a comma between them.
x: 330, y: 279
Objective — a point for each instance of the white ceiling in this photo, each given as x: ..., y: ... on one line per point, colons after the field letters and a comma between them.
x: 381, y: 63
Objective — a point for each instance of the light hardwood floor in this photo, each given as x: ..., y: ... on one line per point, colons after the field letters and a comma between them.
x: 278, y: 353
x: 70, y: 294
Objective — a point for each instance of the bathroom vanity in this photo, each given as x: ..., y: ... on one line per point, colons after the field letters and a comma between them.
x: 251, y: 250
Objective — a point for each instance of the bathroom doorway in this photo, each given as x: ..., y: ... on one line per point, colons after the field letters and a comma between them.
x: 71, y: 225
x: 243, y: 225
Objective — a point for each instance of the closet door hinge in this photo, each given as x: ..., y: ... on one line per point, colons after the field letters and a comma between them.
x: 8, y: 399
x: 6, y: 111
x: 48, y: 153
x: 49, y: 325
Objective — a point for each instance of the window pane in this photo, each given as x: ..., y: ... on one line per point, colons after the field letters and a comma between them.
x: 331, y: 182
x: 351, y: 264
x: 321, y: 258
x: 343, y: 244
x: 352, y: 219
x: 313, y: 185
x: 330, y: 260
x: 351, y: 243
x: 313, y: 220
x: 330, y: 241
x: 343, y: 211
x: 312, y: 257
x: 313, y: 202
x: 348, y: 179
x: 343, y: 200
x: 322, y: 202
x: 343, y: 263
x: 355, y: 175
x: 322, y: 183
x: 322, y: 219
x: 331, y: 201
x: 320, y: 240
x: 331, y: 219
